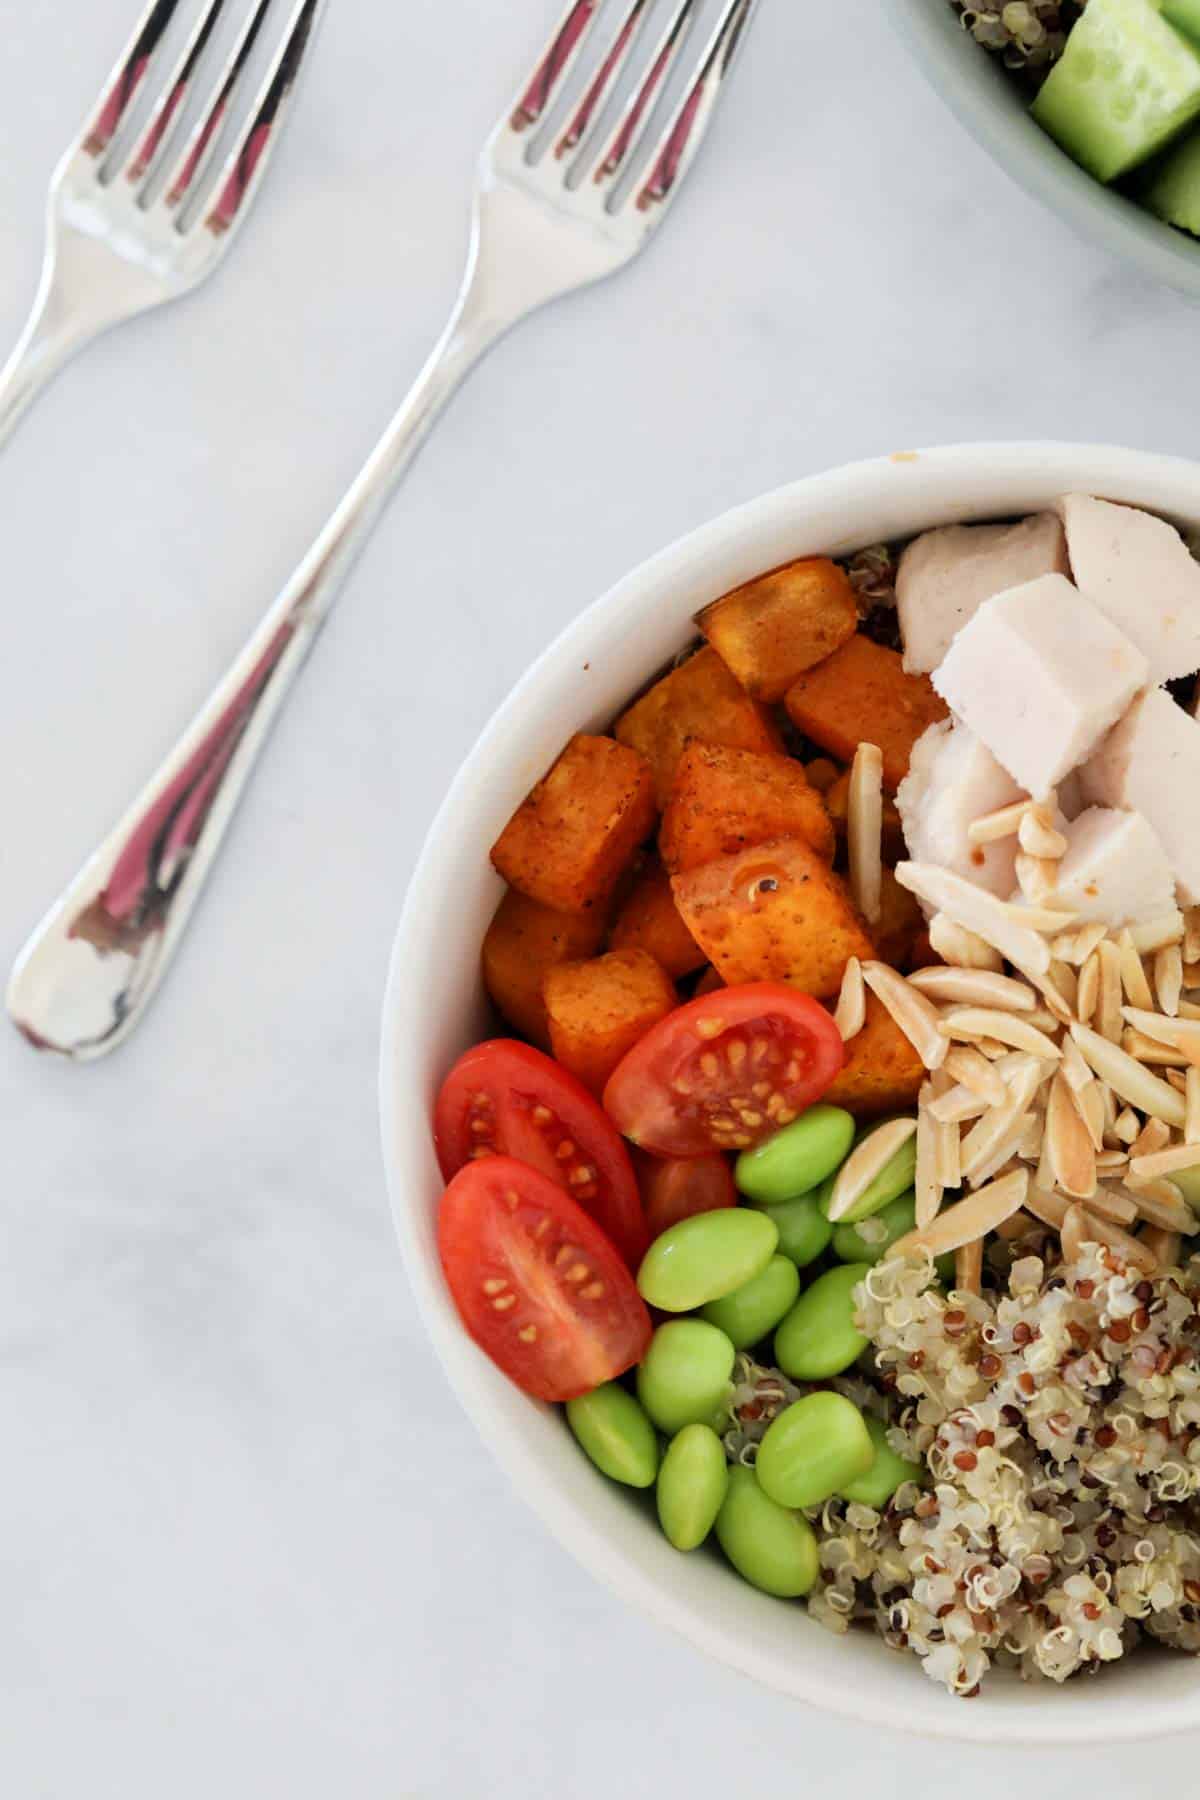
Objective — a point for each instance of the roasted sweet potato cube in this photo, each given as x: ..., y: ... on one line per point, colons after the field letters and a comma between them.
x: 523, y: 941
x: 649, y: 920
x: 698, y: 699
x: 837, y: 804
x: 569, y: 840
x: 773, y: 913
x: 723, y: 800
x: 899, y: 925
x: 882, y: 1072
x: 861, y: 694
x: 599, y: 1009
x: 776, y: 626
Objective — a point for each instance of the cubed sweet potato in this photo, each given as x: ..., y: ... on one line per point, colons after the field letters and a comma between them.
x: 569, y: 839
x: 773, y: 913
x: 837, y: 804
x: 882, y: 1072
x: 861, y: 694
x: 649, y: 920
x: 599, y: 1009
x: 776, y: 626
x: 822, y: 773
x: 900, y: 923
x: 698, y: 699
x: 523, y: 941
x: 724, y: 800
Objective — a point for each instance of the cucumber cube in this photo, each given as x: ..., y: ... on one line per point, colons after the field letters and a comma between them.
x: 1173, y: 186
x: 1126, y: 84
x: 1185, y: 16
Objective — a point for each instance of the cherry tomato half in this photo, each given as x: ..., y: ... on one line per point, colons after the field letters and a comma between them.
x: 725, y: 1071
x: 539, y: 1286
x: 675, y: 1187
x: 502, y: 1098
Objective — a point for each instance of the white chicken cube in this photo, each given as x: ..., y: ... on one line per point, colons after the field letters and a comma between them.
x: 1140, y: 573
x: 944, y: 577
x: 953, y: 780
x: 1040, y: 675
x: 1114, y: 869
x: 1150, y: 763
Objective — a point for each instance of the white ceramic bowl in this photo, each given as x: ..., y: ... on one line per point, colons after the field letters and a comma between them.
x: 995, y: 110
x: 435, y: 1008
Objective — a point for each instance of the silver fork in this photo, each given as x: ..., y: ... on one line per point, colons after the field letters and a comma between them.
x: 118, y: 243
x: 86, y: 975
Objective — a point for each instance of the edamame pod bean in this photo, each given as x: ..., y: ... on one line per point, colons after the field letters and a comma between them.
x: 819, y: 1337
x: 877, y: 1484
x: 897, y: 1174
x: 798, y: 1158
x: 869, y: 1240
x: 804, y: 1231
x: 1188, y: 1183
x: 616, y: 1434
x: 684, y: 1374
x: 751, y: 1311
x: 691, y: 1486
x: 706, y: 1256
x: 770, y: 1547
x: 813, y: 1449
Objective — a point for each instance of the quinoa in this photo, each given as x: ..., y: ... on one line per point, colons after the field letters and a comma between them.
x: 1057, y: 1417
x: 1028, y: 36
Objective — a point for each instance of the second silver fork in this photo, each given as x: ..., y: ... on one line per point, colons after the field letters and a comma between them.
x: 543, y: 225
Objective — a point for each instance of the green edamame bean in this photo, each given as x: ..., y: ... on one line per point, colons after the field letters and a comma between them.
x: 876, y: 1485
x: 691, y: 1486
x: 616, y: 1434
x: 706, y: 1256
x: 804, y: 1231
x: 798, y: 1158
x: 684, y: 1374
x: 897, y: 1174
x: 819, y: 1337
x: 813, y: 1449
x: 1188, y: 1183
x: 751, y: 1311
x: 869, y: 1240
x: 770, y: 1547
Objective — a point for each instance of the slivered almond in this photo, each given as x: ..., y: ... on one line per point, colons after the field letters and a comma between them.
x: 1188, y: 1010
x: 851, y: 1013
x: 1037, y: 879
x: 1029, y: 1143
x: 927, y: 1188
x: 1072, y: 1153
x: 864, y: 831
x: 1126, y: 1126
x: 965, y: 949
x: 1051, y: 919
x: 947, y: 1151
x: 1074, y: 1068
x: 1168, y: 979
x: 910, y: 1010
x: 1087, y: 994
x: 975, y: 987
x: 1177, y: 1078
x: 1110, y: 1105
x: 1151, y: 1050
x: 1015, y: 1227
x: 1164, y: 1245
x: 1158, y: 1199
x: 980, y: 912
x: 1152, y: 934
x: 968, y: 1219
x: 1046, y: 1020
x: 1051, y: 1208
x: 1153, y: 1136
x: 865, y: 1162
x: 1182, y: 1034
x: 1148, y: 1164
x: 1109, y: 1161
x: 1000, y: 1124
x: 974, y: 1071
x: 1004, y: 822
x: 1062, y: 980
x: 957, y: 1104
x: 1191, y: 934
x: 1129, y: 1079
x: 1191, y: 1122
x: 1076, y: 946
x: 1133, y: 976
x: 1074, y: 1233
x: 1103, y: 1231
x: 1089, y: 1104
x: 968, y: 1267
x: 1191, y: 975
x: 1108, y: 1006
x: 968, y: 1022
x: 1037, y: 836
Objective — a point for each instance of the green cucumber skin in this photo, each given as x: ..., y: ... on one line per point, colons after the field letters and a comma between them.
x: 1173, y: 190
x: 1184, y: 15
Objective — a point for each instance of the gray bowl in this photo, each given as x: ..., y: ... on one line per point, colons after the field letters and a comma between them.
x: 994, y: 110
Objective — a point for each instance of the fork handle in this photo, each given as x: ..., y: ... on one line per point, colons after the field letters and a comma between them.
x: 87, y: 973
x: 50, y: 339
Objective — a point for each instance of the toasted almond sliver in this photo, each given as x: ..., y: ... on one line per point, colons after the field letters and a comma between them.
x: 1126, y: 1126
x: 1051, y: 1208
x: 1000, y: 1123
x: 1152, y: 1137
x: 865, y: 1162
x: 1182, y: 1034
x: 1004, y: 822
x: 1160, y: 1202
x: 968, y: 1219
x: 1047, y: 1206
x: 1150, y: 1050
x: 1042, y: 919
x: 991, y: 919
x: 1164, y: 1245
x: 960, y: 947
x: 911, y: 1011
x: 1089, y: 1104
x: 1191, y: 981
x: 1073, y: 1065
x: 1087, y: 994
x: 1133, y: 976
x: 851, y: 1013
x: 968, y: 1267
x: 1072, y: 1153
x: 1108, y: 1007
x: 974, y: 1071
x: 1129, y: 1079
x: 957, y: 1104
x: 1117, y: 1207
x: 970, y: 1022
x: 1076, y: 946
x: 1177, y: 1078
x: 864, y: 831
x: 1152, y: 934
x: 1110, y: 1105
x: 1037, y: 879
x: 1149, y: 1164
x: 1191, y: 1095
x: 1074, y: 1233
x: 1168, y: 979
x: 1109, y: 1160
x: 948, y: 1153
x: 927, y: 1188
x: 1063, y: 980
x: 1037, y: 836
x: 1191, y: 934
x: 975, y: 987
x: 1029, y: 1141
x: 1103, y: 1231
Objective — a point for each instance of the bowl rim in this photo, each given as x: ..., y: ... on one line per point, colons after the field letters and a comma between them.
x: 1170, y: 483
x: 1032, y: 159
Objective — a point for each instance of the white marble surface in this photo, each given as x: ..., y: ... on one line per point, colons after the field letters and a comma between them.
x: 248, y: 1544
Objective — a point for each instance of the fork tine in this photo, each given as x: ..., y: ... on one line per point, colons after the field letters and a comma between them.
x: 640, y: 108
x: 677, y: 148
x: 554, y: 65
x: 247, y: 162
x: 605, y: 79
x: 174, y: 96
x: 124, y: 84
x: 193, y: 164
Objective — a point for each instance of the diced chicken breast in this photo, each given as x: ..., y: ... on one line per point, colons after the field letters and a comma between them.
x: 1140, y: 573
x: 1114, y: 869
x: 945, y: 576
x: 1150, y: 763
x: 1040, y: 675
x: 951, y: 781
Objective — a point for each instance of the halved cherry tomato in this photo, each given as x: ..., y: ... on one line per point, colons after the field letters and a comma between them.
x: 502, y: 1098
x: 675, y: 1187
x: 726, y: 1071
x: 538, y: 1284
